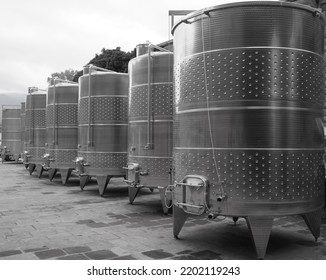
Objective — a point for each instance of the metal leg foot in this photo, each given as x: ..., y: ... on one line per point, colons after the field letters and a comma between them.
x: 260, y: 227
x: 102, y: 182
x: 52, y: 173
x: 39, y: 170
x: 31, y: 168
x: 83, y: 181
x: 313, y: 221
x: 179, y: 219
x: 132, y: 191
x: 65, y: 174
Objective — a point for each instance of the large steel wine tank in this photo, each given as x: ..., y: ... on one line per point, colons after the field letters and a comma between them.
x: 249, y: 95
x: 10, y: 133
x: 102, y: 126
x: 35, y: 130
x: 22, y: 129
x: 150, y: 123
x: 61, y: 128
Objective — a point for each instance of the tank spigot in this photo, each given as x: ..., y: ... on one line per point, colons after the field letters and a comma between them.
x: 212, y: 216
x: 221, y: 197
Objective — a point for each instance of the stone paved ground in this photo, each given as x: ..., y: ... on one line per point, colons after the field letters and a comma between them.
x: 40, y: 219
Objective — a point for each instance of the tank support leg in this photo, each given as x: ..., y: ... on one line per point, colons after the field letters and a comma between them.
x: 31, y: 168
x: 179, y: 219
x: 313, y: 221
x: 102, y: 182
x: 83, y: 179
x: 166, y: 200
x: 39, y: 170
x: 52, y: 173
x: 151, y: 189
x: 16, y: 157
x: 65, y: 174
x: 132, y: 191
x: 235, y: 219
x: 260, y: 227
x: 26, y: 165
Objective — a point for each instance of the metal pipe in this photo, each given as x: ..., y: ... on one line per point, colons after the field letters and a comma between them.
x: 91, y: 66
x: 149, y: 100
x: 54, y: 113
x: 159, y: 48
x: 89, y: 105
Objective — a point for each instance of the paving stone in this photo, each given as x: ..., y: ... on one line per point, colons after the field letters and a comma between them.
x: 127, y: 257
x: 157, y: 254
x: 117, y: 223
x: 77, y: 249
x: 184, y: 257
x: 74, y: 257
x: 48, y: 254
x: 9, y: 253
x: 101, y: 255
x: 206, y: 255
x: 307, y: 243
x: 97, y: 225
x: 118, y: 216
x: 82, y: 222
x: 184, y: 252
x: 36, y: 249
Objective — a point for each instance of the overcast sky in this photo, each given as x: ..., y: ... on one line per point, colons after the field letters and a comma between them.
x: 40, y: 37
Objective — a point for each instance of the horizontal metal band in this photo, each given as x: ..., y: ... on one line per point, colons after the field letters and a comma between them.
x: 94, y: 96
x: 10, y: 119
x: 131, y: 156
x: 90, y: 152
x: 35, y: 109
x: 251, y: 149
x: 155, y: 121
x: 58, y: 104
x: 11, y: 140
x: 252, y: 48
x: 246, y: 108
x: 68, y: 150
x: 152, y: 84
x: 63, y: 126
x: 105, y: 124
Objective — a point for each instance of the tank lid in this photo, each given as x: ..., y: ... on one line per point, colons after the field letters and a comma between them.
x: 194, y: 16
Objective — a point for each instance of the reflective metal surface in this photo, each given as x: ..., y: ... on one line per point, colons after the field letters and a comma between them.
x: 22, y: 129
x: 11, y: 134
x: 35, y: 127
x: 249, y: 95
x: 150, y: 136
x: 103, y: 123
x: 62, y: 124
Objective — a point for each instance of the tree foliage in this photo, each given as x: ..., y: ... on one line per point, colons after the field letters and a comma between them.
x: 65, y: 75
x: 111, y: 59
x: 114, y: 59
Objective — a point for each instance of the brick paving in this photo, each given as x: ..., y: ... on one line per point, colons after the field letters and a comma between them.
x: 40, y: 219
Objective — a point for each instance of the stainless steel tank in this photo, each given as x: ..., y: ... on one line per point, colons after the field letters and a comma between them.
x: 102, y: 126
x: 10, y: 133
x: 22, y: 129
x: 61, y: 129
x: 249, y: 96
x: 35, y: 130
x: 150, y: 123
